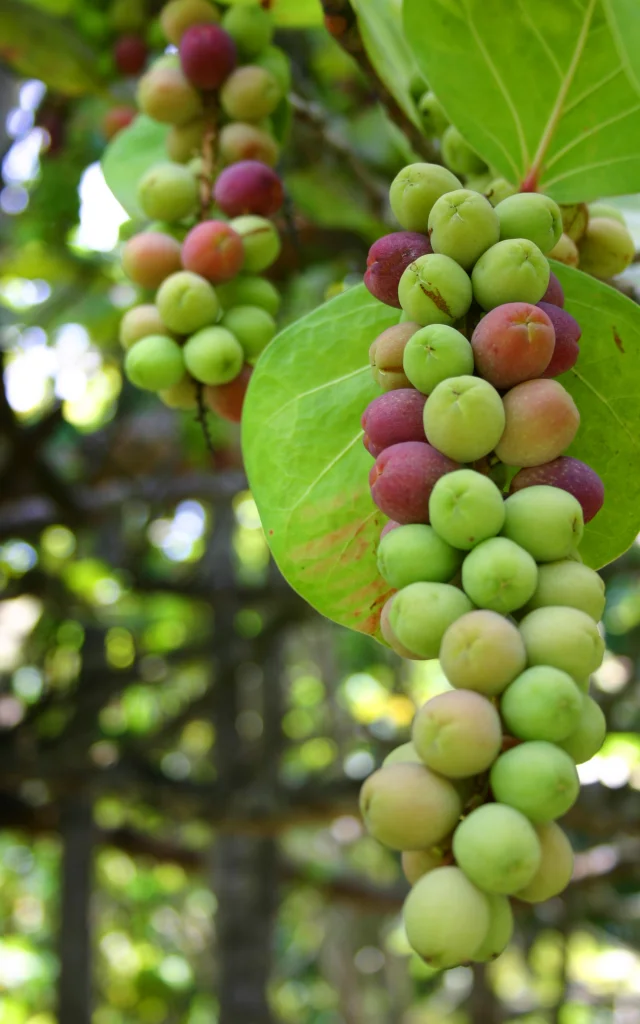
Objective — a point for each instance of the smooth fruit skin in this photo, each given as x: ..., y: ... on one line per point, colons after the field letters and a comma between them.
x: 432, y: 114
x: 251, y: 28
x: 115, y: 120
x: 533, y: 216
x: 435, y: 353
x: 168, y: 192
x: 571, y: 475
x: 536, y: 778
x: 459, y: 155
x: 207, y: 55
x: 242, y: 141
x: 403, y: 477
x: 464, y: 418
x: 574, y: 220
x: 500, y: 929
x: 556, y: 866
x: 589, y: 735
x: 499, y: 575
x: 466, y: 508
x: 434, y: 290
x: 260, y: 240
x: 130, y: 54
x: 386, y: 356
x: 571, y: 584
x: 606, y: 249
x: 463, y: 225
x: 482, y: 651
x: 554, y: 294
x: 183, y: 395
x: 154, y: 363
x: 565, y: 251
x: 446, y: 917
x: 275, y: 60
x: 566, y: 638
x: 405, y: 753
x: 415, y: 553
x: 387, y: 260
x: 497, y: 848
x: 543, y: 703
x: 420, y: 614
x: 213, y: 355
x: 514, y: 342
x: 250, y: 93
x: 514, y: 270
x: 393, y: 418
x: 187, y: 302
x: 184, y: 141
x: 248, y: 186
x: 139, y: 322
x: 213, y: 250
x: 546, y: 521
x: 567, y: 335
x: 498, y: 189
x: 148, y: 258
x: 605, y: 210
x: 541, y: 421
x: 416, y: 863
x: 458, y: 733
x: 407, y: 807
x: 178, y: 15
x: 252, y: 326
x: 166, y: 95
x: 415, y: 189
x: 227, y: 399
x: 248, y: 290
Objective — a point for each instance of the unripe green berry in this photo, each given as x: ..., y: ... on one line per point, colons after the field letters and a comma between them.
x: 187, y: 302
x: 168, y: 192
x: 213, y: 355
x: 415, y: 189
x: 154, y: 363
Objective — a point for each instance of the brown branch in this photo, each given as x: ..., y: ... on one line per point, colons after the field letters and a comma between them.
x: 341, y: 21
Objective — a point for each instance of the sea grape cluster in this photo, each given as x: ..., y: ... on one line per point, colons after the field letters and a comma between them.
x: 207, y: 313
x: 482, y: 556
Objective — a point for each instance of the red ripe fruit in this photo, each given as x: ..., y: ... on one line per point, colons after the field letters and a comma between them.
x: 512, y: 343
x: 568, y: 334
x: 130, y: 54
x: 116, y: 119
x: 208, y: 55
x: 403, y: 477
x: 249, y: 187
x: 388, y: 258
x: 213, y: 250
x: 570, y: 475
x: 227, y: 399
x: 554, y: 293
x: 392, y: 418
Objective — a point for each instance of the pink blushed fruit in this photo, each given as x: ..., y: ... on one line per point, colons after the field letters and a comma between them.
x: 403, y: 477
x: 387, y: 260
x: 512, y: 343
x: 150, y: 257
x: 213, y: 250
x: 541, y: 421
x: 208, y: 55
x: 392, y: 418
x: 249, y: 187
x: 571, y: 475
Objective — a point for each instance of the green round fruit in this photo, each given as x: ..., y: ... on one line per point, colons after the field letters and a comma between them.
x: 543, y: 703
x: 251, y: 28
x: 276, y: 61
x: 432, y: 114
x: 500, y: 929
x: 213, y: 355
x: 416, y: 863
x: 260, y: 241
x: 463, y: 225
x: 415, y: 553
x: 407, y: 807
x: 168, y: 192
x: 572, y: 584
x: 435, y: 353
x: 247, y: 290
x: 533, y: 216
x: 466, y: 508
x: 421, y: 612
x: 589, y: 735
x: 606, y: 211
x: 434, y: 290
x: 556, y: 865
x: 606, y: 248
x: 250, y: 93
x: 482, y: 651
x: 183, y: 395
x: 140, y: 322
x: 546, y: 521
x: 459, y: 155
x: 406, y: 753
x: 457, y: 734
x: 499, y: 189
x: 563, y: 637
x: 497, y: 848
x: 415, y: 189
x: 499, y: 575
x: 514, y: 270
x: 154, y: 363
x: 446, y: 917
x: 187, y: 302
x: 252, y: 326
x: 464, y: 418
x: 536, y: 778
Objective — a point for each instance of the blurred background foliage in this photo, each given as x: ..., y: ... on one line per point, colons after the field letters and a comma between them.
x: 181, y: 739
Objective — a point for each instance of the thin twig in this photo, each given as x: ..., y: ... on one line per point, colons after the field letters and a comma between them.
x: 201, y: 418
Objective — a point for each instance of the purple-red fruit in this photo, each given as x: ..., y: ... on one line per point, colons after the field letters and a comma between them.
x: 392, y: 418
x: 213, y: 250
x: 568, y: 334
x: 116, y: 119
x: 227, y: 399
x: 403, y: 477
x: 388, y: 258
x: 249, y: 187
x: 571, y: 475
x: 512, y: 343
x: 208, y: 55
x: 554, y: 293
x: 130, y: 54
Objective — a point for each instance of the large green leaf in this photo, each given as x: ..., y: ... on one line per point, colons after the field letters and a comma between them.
x: 308, y: 469
x: 540, y: 90
x: 40, y: 46
x: 380, y: 23
x: 624, y: 20
x: 129, y: 155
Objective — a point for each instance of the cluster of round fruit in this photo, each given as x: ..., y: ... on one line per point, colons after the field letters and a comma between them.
x: 210, y: 235
x: 594, y: 237
x: 493, y: 586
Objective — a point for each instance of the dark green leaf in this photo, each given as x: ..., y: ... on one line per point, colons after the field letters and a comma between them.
x: 380, y: 23
x: 131, y: 153
x: 541, y: 91
x: 309, y: 471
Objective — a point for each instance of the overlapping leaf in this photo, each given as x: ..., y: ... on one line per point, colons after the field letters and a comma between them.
x: 380, y: 23
x: 129, y: 155
x: 308, y: 469
x: 540, y: 89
